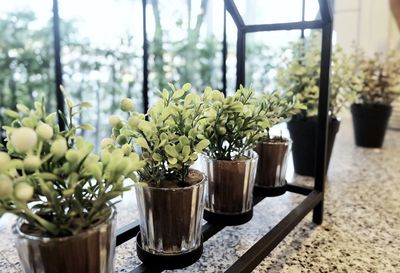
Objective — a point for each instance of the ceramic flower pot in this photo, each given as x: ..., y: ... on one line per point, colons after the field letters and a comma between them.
x: 89, y: 251
x: 229, y: 190
x: 272, y: 165
x: 303, y: 133
x: 170, y: 224
x: 370, y: 122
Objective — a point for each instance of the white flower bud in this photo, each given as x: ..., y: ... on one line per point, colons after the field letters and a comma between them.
x: 133, y: 121
x: 6, y: 186
x: 23, y: 192
x: 59, y: 147
x: 105, y: 142
x: 126, y: 148
x: 23, y: 139
x: 126, y: 105
x: 72, y: 156
x: 44, y: 131
x: 4, y: 158
x: 114, y: 120
x: 32, y: 162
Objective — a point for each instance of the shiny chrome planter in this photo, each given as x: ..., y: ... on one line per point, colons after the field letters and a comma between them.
x: 229, y: 191
x: 89, y: 251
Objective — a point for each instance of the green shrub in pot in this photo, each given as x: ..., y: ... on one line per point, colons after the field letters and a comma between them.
x: 371, y: 106
x: 171, y: 201
x: 233, y: 125
x: 61, y: 191
x: 273, y: 151
x: 300, y: 74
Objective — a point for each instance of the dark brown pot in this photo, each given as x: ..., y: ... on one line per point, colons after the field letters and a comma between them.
x: 170, y: 218
x: 89, y: 251
x: 230, y: 186
x: 272, y: 165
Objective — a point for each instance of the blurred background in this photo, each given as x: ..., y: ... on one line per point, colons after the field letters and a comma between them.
x: 102, y: 47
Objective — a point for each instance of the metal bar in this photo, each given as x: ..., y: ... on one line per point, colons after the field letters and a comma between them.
x: 232, y: 9
x: 127, y: 232
x: 323, y: 114
x: 57, y: 63
x: 145, y: 89
x: 284, y: 26
x: 240, y: 58
x: 326, y: 10
x: 224, y: 55
x: 266, y: 244
x: 299, y: 189
x: 303, y: 13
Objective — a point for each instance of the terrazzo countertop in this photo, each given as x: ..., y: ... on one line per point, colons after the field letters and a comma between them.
x: 360, y: 232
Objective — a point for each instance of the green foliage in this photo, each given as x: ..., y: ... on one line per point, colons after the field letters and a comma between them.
x: 169, y: 140
x: 279, y: 107
x: 52, y: 179
x: 380, y: 76
x: 232, y: 124
x: 301, y: 72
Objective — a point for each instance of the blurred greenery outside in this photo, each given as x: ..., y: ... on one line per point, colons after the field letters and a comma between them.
x: 103, y: 75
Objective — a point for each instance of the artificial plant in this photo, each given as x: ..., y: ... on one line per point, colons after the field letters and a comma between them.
x: 232, y: 124
x: 279, y: 107
x: 300, y: 74
x: 380, y: 76
x: 167, y: 135
x: 51, y: 178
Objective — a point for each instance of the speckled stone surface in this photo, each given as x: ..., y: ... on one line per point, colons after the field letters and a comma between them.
x: 360, y: 232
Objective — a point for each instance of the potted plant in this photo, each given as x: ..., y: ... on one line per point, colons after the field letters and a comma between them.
x: 61, y: 192
x: 233, y: 125
x: 372, y: 103
x: 171, y: 200
x: 273, y: 151
x: 300, y: 76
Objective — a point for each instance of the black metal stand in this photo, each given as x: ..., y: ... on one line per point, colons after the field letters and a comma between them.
x: 314, y: 196
x: 228, y: 219
x: 167, y: 261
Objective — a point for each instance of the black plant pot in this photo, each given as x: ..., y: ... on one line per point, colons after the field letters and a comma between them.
x: 303, y: 133
x: 370, y: 122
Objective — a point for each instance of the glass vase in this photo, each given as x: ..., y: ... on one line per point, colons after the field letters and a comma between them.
x: 92, y: 250
x: 272, y: 165
x: 170, y: 218
x: 229, y: 190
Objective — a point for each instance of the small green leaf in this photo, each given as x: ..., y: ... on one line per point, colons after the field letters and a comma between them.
x: 171, y: 151
x: 157, y: 157
x: 12, y: 114
x: 172, y: 160
x: 201, y: 145
x: 141, y: 141
x: 87, y: 127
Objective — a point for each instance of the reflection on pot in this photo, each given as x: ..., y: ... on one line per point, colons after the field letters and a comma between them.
x: 272, y: 163
x: 89, y: 251
x: 230, y: 184
x: 170, y: 218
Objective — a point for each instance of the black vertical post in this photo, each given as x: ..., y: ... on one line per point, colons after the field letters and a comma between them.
x: 303, y: 12
x: 240, y: 57
x: 145, y: 90
x: 323, y: 110
x: 224, y: 54
x: 57, y: 64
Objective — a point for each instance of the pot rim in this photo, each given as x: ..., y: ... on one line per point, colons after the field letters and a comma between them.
x: 252, y: 154
x: 179, y: 188
x: 17, y: 231
x: 285, y: 141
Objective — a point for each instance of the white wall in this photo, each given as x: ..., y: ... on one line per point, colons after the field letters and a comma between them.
x: 367, y: 23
